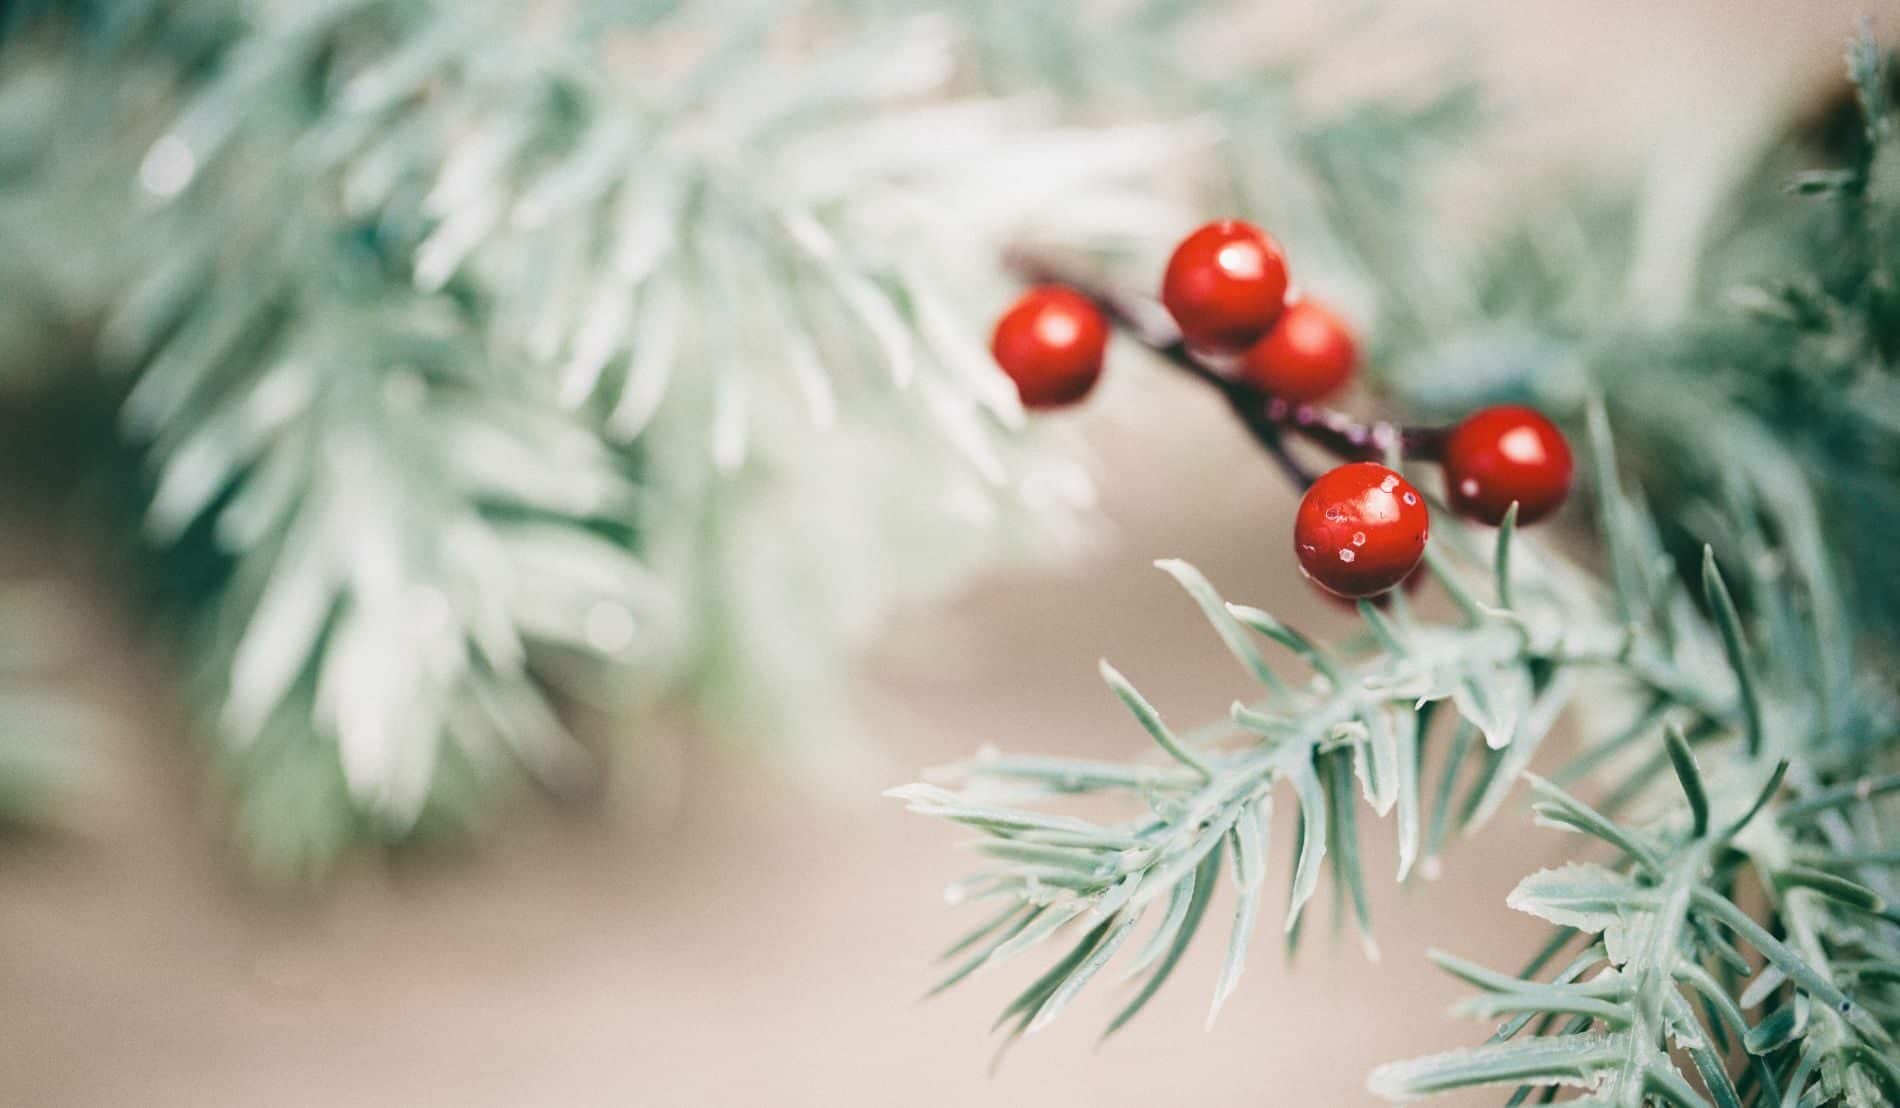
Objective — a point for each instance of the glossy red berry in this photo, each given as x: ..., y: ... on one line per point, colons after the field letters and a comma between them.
x: 1225, y: 286
x: 1502, y: 454
x: 1050, y: 342
x: 1309, y: 355
x: 1360, y: 530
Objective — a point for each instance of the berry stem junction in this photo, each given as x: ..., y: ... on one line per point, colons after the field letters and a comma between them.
x: 1269, y: 419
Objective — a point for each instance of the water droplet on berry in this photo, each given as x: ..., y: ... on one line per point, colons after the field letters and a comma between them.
x: 1359, y: 538
x: 1335, y: 513
x: 1346, y: 555
x: 1468, y: 487
x: 1389, y: 483
x: 1410, y: 499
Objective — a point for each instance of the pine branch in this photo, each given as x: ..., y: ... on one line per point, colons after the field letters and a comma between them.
x: 1792, y: 383
x: 405, y: 536
x: 1507, y: 672
x: 557, y: 236
x: 1667, y: 920
x: 1675, y: 888
x: 607, y: 223
x: 1660, y: 920
x: 1775, y: 384
x: 596, y: 190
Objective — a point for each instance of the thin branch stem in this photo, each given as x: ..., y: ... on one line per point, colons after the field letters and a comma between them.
x: 1269, y: 419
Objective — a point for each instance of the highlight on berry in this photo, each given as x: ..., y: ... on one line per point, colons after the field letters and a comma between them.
x: 1361, y: 529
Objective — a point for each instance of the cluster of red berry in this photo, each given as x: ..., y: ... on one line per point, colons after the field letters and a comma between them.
x: 1361, y: 528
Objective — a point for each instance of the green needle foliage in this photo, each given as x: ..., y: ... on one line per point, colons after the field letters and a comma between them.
x: 474, y: 352
x: 1769, y: 366
x: 401, y: 526
x: 1739, y: 946
x: 1671, y: 985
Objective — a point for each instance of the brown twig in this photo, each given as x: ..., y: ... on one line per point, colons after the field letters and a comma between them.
x: 1267, y: 418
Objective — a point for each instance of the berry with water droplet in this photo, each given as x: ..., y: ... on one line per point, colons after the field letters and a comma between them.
x: 1051, y: 343
x: 1308, y: 356
x: 1360, y: 530
x: 1505, y: 453
x: 1225, y: 286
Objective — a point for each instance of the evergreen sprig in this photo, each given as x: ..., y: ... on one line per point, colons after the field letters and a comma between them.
x: 1762, y: 359
x: 1507, y: 669
x: 411, y: 551
x: 1780, y: 408
x: 465, y: 342
x: 1668, y: 919
x: 1741, y: 948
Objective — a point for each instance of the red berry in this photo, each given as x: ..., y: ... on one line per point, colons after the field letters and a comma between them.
x: 1050, y: 342
x: 1502, y: 454
x: 1360, y: 530
x: 1309, y: 355
x: 1225, y: 286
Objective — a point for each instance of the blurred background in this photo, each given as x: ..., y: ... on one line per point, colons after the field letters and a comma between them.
x: 719, y: 908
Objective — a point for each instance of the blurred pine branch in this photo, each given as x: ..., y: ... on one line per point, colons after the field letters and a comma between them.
x: 478, y: 354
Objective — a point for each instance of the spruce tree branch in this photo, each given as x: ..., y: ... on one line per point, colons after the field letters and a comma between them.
x: 1670, y: 907
x: 1782, y: 769
x: 1360, y: 719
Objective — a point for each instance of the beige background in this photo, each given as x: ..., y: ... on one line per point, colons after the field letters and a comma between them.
x: 709, y: 934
